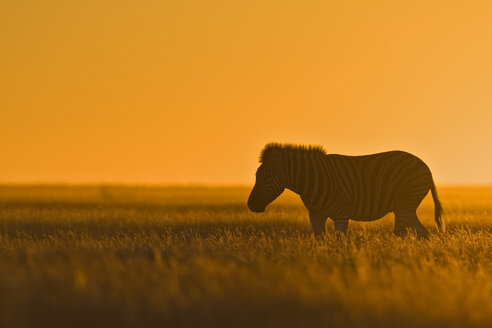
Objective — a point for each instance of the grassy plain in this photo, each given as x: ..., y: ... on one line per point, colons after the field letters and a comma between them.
x: 74, y: 256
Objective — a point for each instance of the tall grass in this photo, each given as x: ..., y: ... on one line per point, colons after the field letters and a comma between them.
x: 127, y: 257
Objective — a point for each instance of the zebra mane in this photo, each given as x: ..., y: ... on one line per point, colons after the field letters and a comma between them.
x: 273, y: 149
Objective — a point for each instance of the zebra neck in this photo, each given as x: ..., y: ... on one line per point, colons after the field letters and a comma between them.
x: 301, y: 170
x: 310, y: 176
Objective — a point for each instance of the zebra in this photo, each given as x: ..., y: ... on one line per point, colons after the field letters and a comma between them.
x: 361, y: 188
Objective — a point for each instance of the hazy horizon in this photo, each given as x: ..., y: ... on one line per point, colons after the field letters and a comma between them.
x: 184, y: 185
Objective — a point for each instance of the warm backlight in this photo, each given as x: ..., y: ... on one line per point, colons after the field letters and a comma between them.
x: 189, y: 91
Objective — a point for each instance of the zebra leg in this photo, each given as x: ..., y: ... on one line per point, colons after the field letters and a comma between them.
x: 408, y: 218
x: 318, y: 223
x: 418, y: 226
x: 341, y: 225
x: 401, y: 224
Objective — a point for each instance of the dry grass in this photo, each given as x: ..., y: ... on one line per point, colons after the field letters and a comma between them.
x: 127, y: 257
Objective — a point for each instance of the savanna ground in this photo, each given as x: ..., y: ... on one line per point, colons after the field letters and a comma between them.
x: 162, y: 257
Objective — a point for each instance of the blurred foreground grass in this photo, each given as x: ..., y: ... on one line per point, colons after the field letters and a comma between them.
x: 78, y: 256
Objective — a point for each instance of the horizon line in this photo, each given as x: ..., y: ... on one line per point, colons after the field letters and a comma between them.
x: 185, y: 185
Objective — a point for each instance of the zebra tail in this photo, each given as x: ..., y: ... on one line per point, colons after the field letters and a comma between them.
x: 437, y: 208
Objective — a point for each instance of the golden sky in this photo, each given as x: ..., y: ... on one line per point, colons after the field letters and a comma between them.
x: 189, y: 91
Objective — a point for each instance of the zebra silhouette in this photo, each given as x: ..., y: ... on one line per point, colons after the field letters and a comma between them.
x: 361, y: 188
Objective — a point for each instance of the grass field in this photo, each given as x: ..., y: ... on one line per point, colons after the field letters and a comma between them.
x: 162, y: 257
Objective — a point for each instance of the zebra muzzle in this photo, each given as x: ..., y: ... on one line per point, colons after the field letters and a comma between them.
x: 254, y: 207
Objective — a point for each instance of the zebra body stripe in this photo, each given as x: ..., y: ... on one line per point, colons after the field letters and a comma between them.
x: 363, y: 187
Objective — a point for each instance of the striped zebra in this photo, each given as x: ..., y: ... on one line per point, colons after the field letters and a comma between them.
x: 361, y: 188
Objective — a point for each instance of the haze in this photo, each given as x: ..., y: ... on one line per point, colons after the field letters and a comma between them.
x: 172, y: 92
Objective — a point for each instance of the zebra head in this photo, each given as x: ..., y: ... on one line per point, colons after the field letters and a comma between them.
x: 268, y: 186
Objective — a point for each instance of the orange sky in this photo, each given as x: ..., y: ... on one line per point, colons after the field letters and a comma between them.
x: 189, y: 91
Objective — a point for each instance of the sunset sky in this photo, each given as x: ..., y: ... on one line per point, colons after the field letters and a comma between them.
x: 178, y: 92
